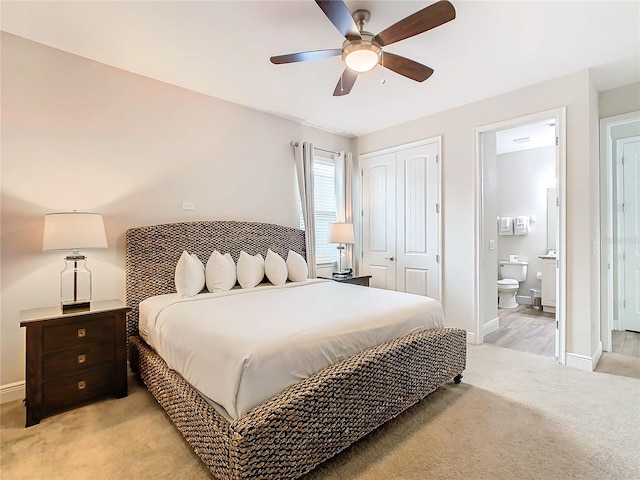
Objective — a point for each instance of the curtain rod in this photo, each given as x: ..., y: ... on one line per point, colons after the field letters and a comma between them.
x: 293, y: 143
x: 326, y: 151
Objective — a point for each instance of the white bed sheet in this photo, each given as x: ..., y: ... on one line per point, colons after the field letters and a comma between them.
x: 242, y: 347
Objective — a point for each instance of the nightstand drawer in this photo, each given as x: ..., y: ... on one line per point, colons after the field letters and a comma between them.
x: 97, y: 330
x: 59, y: 394
x: 75, y: 357
x: 62, y: 363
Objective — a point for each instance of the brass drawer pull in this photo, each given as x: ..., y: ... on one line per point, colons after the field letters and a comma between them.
x: 82, y: 333
x: 82, y: 358
x: 81, y: 385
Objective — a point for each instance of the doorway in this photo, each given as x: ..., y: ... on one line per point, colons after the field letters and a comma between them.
x: 488, y: 227
x: 620, y: 207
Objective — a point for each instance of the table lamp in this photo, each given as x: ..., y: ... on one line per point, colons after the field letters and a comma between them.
x: 341, y: 233
x: 74, y: 231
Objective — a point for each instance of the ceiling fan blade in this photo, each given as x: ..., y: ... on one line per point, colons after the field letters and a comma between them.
x: 304, y: 56
x: 345, y: 84
x: 429, y: 17
x: 340, y: 16
x: 405, y: 67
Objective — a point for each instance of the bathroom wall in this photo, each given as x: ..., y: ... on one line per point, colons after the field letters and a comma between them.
x: 523, y: 179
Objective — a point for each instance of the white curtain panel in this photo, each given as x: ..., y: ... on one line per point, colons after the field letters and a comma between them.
x: 349, y: 215
x: 304, y: 171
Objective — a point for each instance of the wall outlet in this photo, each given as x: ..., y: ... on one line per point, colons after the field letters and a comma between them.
x: 188, y: 206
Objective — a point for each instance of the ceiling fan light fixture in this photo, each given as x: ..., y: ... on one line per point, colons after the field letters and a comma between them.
x: 362, y: 51
x: 361, y: 55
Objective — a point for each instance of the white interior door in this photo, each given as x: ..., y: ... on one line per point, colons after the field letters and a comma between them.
x: 418, y: 217
x: 631, y: 215
x: 401, y: 219
x: 379, y: 220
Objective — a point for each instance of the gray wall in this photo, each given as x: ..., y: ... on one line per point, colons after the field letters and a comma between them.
x: 460, y: 189
x: 620, y: 100
x: 77, y: 134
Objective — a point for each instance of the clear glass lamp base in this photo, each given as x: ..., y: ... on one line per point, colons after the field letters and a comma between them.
x: 75, y: 284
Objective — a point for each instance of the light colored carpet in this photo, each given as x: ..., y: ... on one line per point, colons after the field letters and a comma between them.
x: 515, y: 416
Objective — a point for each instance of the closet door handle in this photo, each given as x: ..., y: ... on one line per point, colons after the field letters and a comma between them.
x: 390, y: 258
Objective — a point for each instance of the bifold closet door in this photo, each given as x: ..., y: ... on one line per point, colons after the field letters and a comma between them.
x: 400, y: 218
x: 379, y: 220
x: 418, y: 221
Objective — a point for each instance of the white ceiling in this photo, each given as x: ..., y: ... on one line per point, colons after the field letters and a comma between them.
x: 222, y: 49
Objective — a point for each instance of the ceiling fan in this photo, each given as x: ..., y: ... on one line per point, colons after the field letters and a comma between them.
x: 361, y: 51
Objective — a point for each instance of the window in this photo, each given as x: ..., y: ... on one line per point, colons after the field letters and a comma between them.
x: 324, y: 185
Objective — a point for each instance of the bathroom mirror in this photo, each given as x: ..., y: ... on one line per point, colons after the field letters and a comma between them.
x: 552, y: 219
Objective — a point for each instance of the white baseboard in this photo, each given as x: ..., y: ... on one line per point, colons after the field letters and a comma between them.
x: 581, y: 362
x: 584, y: 362
x: 595, y: 356
x: 491, y: 326
x: 471, y: 338
x: 12, y: 391
x: 523, y: 299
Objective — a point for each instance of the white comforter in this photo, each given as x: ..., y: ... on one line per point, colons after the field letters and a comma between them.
x: 243, y: 347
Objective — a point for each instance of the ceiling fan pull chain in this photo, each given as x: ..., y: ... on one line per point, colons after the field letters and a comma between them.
x: 382, y: 64
x: 341, y: 89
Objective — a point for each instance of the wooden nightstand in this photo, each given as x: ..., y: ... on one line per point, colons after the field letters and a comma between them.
x: 359, y: 280
x: 74, y: 358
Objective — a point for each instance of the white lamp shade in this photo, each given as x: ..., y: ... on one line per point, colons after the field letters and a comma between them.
x: 73, y: 231
x: 340, y: 233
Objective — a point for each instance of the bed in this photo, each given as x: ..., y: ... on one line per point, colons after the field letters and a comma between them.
x: 310, y: 421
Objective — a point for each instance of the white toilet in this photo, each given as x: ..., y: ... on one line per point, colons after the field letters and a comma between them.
x: 510, y: 274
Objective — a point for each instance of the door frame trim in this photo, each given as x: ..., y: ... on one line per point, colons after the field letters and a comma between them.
x: 561, y: 184
x: 405, y: 146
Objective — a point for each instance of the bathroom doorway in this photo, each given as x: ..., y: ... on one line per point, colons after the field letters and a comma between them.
x: 520, y: 225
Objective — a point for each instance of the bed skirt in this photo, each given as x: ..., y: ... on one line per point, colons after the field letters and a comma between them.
x: 313, y: 420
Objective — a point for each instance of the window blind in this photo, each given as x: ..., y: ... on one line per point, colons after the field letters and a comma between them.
x: 324, y: 185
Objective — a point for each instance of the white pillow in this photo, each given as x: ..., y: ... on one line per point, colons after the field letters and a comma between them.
x: 189, y: 275
x: 220, y: 272
x: 275, y: 268
x: 297, y: 267
x: 250, y: 270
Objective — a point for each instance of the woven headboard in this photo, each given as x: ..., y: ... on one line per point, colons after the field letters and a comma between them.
x: 153, y: 252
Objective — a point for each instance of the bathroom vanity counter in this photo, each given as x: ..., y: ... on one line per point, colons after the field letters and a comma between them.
x: 549, y: 283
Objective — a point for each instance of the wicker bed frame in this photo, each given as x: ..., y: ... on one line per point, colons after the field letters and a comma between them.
x: 309, y: 422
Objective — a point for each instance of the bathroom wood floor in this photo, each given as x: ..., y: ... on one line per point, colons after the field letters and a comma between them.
x: 526, y: 329
x: 531, y: 330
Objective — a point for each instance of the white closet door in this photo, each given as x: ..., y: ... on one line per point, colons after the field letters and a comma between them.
x: 631, y: 168
x: 379, y: 220
x: 418, y: 220
x: 401, y: 219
